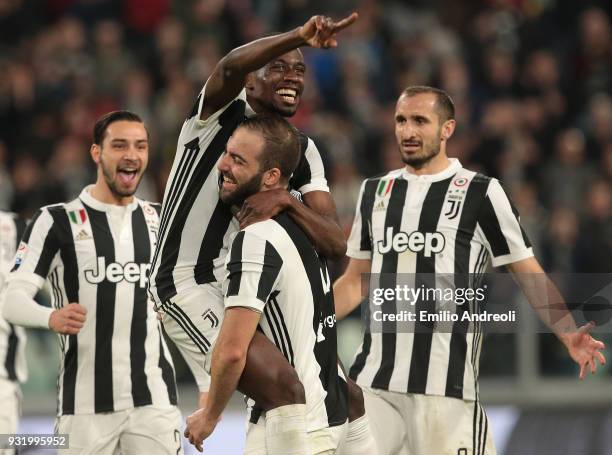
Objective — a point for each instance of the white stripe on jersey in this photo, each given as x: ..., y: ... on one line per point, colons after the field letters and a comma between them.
x: 98, y: 255
x: 196, y: 228
x: 468, y: 219
x: 12, y: 338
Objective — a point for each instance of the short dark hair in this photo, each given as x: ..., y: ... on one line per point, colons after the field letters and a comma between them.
x: 99, y: 130
x: 281, y: 142
x: 444, y: 103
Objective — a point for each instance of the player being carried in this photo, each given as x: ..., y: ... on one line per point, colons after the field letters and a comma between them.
x: 266, y: 75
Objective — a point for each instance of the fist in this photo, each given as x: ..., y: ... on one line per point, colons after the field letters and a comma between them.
x: 68, y: 320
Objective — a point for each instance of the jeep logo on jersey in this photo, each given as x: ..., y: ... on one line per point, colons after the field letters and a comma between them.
x: 429, y: 242
x: 115, y: 272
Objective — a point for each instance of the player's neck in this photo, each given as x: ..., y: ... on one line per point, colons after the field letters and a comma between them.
x: 102, y: 193
x: 434, y: 166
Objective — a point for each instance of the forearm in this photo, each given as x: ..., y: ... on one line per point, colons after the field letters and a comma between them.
x: 252, y: 56
x: 226, y: 372
x: 324, y: 231
x: 20, y: 308
x: 347, y: 295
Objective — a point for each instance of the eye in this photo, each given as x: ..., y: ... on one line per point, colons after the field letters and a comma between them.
x: 278, y: 67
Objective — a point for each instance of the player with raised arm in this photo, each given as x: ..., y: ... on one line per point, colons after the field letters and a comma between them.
x: 116, y: 387
x: 277, y: 283
x: 433, y: 217
x: 266, y: 75
x: 13, y: 367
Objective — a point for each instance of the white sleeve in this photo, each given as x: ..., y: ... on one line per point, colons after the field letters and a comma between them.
x: 500, y: 228
x: 310, y: 173
x: 20, y: 308
x: 194, y: 116
x: 359, y: 245
x: 253, y: 269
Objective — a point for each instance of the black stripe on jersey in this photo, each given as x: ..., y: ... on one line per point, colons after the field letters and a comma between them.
x: 271, y: 267
x: 360, y: 359
x: 106, y: 292
x: 138, y: 332
x: 234, y: 266
x: 212, y: 242
x: 480, y: 431
x: 228, y: 121
x: 474, y: 197
x: 276, y: 321
x: 11, y: 354
x: 189, y: 327
x: 492, y: 230
x: 484, y: 436
x: 388, y: 279
x: 55, y: 287
x: 302, y: 174
x: 326, y: 352
x: 20, y: 227
x: 156, y: 206
x: 166, y: 369
x: 425, y: 276
x: 71, y: 285
x: 28, y: 230
x: 182, y: 172
x: 367, y: 205
x: 474, y: 427
x: 523, y: 233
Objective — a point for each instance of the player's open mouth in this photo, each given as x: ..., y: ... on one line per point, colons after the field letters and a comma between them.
x: 411, y: 145
x: 288, y: 95
x: 127, y: 175
x: 228, y: 182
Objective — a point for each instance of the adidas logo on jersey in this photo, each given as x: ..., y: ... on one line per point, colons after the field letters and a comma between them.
x: 429, y: 242
x: 380, y: 206
x: 115, y: 272
x: 83, y: 235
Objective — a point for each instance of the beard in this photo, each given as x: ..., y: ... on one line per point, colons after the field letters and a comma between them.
x: 243, y: 191
x: 114, y: 185
x: 428, y: 151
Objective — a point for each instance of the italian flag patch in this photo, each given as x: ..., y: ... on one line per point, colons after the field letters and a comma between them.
x: 77, y: 216
x: 384, y: 187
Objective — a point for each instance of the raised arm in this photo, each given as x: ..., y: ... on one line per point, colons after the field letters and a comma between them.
x: 550, y: 306
x: 227, y: 79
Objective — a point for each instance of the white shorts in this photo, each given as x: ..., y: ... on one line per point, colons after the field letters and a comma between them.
x: 192, y: 320
x: 415, y: 424
x: 146, y: 429
x: 320, y: 442
x: 10, y: 397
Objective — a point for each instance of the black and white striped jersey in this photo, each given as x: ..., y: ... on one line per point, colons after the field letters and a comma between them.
x: 12, y: 338
x: 273, y: 268
x: 99, y: 255
x: 195, y: 225
x: 447, y: 224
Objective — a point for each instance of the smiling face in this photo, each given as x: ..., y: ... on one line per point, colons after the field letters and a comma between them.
x: 278, y: 86
x: 241, y: 174
x: 419, y: 132
x: 122, y: 157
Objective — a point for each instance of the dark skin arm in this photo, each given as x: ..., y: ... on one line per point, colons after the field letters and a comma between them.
x: 317, y: 217
x: 227, y: 79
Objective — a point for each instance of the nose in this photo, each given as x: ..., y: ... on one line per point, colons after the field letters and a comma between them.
x: 223, y: 165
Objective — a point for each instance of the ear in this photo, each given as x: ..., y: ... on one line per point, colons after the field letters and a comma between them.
x: 271, y: 177
x: 448, y: 128
x: 95, y: 152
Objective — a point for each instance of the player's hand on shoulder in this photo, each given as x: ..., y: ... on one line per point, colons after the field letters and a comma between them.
x: 263, y: 206
x: 320, y: 31
x: 68, y: 320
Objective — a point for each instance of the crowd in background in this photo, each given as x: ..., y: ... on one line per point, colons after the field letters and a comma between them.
x: 531, y: 81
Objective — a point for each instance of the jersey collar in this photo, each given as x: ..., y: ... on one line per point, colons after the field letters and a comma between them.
x: 451, y: 170
x: 89, y: 200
